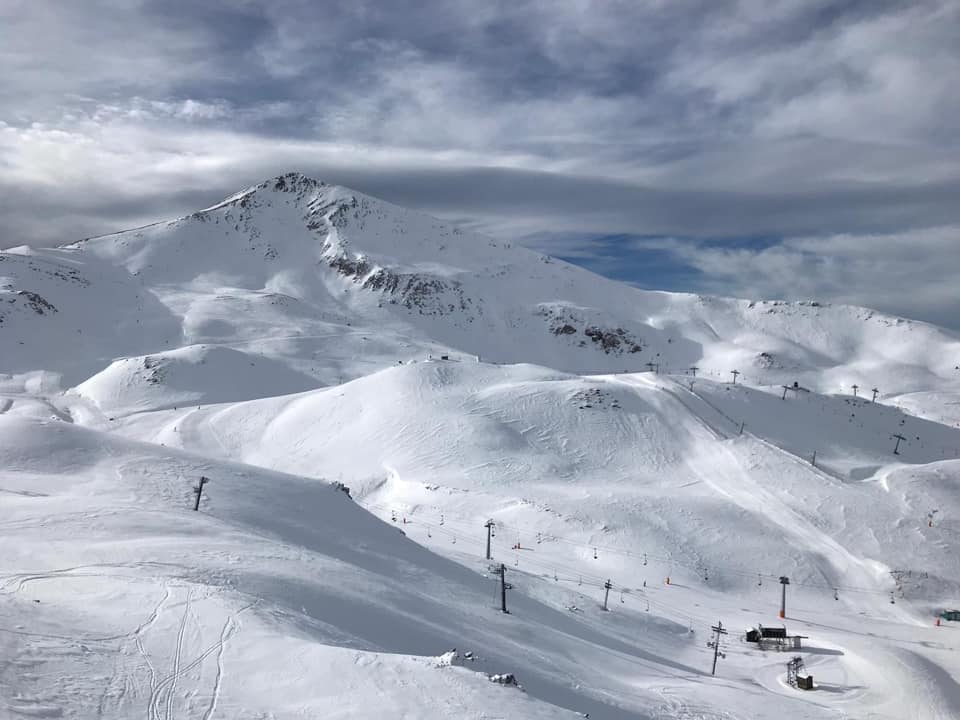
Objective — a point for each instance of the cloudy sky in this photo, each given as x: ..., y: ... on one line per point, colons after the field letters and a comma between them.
x: 760, y: 148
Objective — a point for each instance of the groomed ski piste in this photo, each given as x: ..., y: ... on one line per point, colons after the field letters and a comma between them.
x: 365, y: 389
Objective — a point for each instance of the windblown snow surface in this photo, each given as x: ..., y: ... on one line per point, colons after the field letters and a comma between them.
x: 365, y: 387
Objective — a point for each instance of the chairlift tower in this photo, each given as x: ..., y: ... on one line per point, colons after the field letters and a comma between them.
x: 489, y: 526
x: 606, y: 596
x: 715, y: 644
x: 503, y: 589
x: 784, y: 581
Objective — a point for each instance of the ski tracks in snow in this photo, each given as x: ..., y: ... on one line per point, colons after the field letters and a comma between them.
x: 228, y: 630
x: 177, y: 655
x: 138, y: 635
x: 721, y: 468
x: 163, y: 692
x: 124, y: 680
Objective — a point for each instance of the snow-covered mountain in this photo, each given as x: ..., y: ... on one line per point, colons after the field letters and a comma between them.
x: 299, y: 335
x: 333, y: 283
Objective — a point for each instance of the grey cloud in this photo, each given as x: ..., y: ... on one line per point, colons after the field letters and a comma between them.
x: 42, y: 219
x: 515, y: 202
x: 587, y: 204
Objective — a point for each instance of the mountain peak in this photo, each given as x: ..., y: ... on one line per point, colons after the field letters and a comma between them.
x: 292, y: 182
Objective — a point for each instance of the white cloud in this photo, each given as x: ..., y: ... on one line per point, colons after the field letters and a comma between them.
x: 910, y: 273
x: 51, y: 52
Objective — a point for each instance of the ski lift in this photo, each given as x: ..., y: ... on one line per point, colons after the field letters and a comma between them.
x: 836, y: 594
x: 648, y: 606
x: 892, y: 601
x: 621, y: 596
x: 594, y: 553
x: 429, y: 534
x: 579, y: 580
x: 454, y: 539
x: 538, y: 538
x: 759, y: 580
x: 644, y: 558
x: 441, y: 518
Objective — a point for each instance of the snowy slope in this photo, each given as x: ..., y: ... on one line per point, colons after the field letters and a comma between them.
x: 131, y: 600
x: 187, y: 376
x: 291, y: 336
x: 279, y: 566
x: 619, y: 461
x: 72, y: 313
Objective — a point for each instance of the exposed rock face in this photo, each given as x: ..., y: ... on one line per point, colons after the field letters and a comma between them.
x: 34, y: 302
x: 25, y: 300
x: 612, y: 341
x: 567, y: 321
x: 421, y: 292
